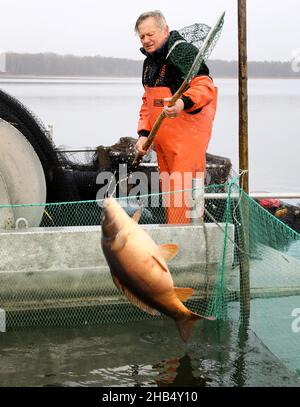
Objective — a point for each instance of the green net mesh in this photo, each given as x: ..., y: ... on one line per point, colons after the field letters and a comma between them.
x: 55, y: 274
x: 199, y: 42
x: 195, y: 33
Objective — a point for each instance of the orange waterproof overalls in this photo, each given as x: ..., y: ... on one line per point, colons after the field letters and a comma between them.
x: 181, y: 142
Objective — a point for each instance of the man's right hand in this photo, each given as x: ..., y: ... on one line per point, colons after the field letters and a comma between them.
x: 139, y: 146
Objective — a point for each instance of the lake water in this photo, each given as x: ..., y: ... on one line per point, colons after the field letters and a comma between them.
x: 99, y: 112
x: 139, y: 354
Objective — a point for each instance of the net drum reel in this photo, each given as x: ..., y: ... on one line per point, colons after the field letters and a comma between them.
x: 22, y: 179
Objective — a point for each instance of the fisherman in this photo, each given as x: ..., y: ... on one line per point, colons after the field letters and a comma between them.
x: 183, y: 137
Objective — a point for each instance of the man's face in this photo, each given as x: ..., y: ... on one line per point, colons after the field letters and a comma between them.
x: 151, y: 35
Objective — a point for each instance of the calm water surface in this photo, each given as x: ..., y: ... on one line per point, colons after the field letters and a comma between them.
x: 139, y: 354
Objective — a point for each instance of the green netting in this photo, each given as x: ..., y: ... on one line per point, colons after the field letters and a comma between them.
x: 55, y: 273
x: 265, y: 272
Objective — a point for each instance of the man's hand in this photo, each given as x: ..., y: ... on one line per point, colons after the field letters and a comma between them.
x: 139, y: 145
x: 174, y: 111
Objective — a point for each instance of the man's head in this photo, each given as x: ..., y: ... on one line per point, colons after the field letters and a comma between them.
x: 152, y: 29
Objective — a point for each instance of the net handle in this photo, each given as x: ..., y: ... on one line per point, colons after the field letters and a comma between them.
x: 184, y: 86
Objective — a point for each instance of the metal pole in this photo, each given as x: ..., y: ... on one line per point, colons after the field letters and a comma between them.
x: 197, y: 201
x: 243, y: 162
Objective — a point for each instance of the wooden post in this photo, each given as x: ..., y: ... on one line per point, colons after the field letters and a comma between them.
x: 243, y: 161
x: 243, y: 95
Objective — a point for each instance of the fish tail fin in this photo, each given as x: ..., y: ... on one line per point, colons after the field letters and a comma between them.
x: 185, y: 325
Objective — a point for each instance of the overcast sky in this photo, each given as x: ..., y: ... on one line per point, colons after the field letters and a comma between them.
x: 101, y: 27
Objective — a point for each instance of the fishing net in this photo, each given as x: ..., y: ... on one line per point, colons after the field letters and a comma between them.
x: 199, y: 41
x: 56, y: 274
x: 195, y: 33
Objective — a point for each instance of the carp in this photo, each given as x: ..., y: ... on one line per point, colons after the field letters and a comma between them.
x: 139, y: 269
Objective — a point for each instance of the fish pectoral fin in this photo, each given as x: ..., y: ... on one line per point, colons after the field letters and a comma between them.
x: 119, y: 241
x: 137, y: 215
x: 139, y: 303
x: 183, y: 293
x: 168, y: 251
x: 160, y: 263
x: 117, y: 282
x: 133, y: 299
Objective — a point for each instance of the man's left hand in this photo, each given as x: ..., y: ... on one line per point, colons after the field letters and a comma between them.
x: 175, y: 110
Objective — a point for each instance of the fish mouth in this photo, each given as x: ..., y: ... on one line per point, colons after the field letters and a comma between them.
x: 107, y: 202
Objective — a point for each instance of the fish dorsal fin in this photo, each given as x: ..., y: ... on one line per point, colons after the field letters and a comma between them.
x: 183, y: 293
x: 119, y: 241
x: 160, y: 262
x: 133, y: 299
x: 168, y: 251
x: 137, y: 215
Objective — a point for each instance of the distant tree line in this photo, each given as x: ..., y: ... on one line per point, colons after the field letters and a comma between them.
x: 256, y: 69
x: 50, y: 64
